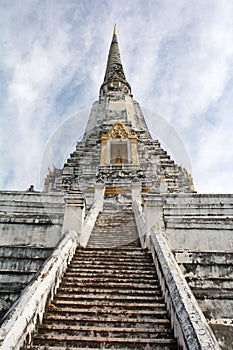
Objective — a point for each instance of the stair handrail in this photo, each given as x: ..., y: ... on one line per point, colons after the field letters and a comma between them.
x: 140, y: 221
x: 189, y: 323
x: 20, y: 321
x: 91, y: 217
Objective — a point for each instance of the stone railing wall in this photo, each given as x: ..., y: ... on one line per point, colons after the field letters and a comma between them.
x: 20, y: 321
x: 91, y: 217
x: 140, y: 222
x: 89, y: 224
x: 190, y: 326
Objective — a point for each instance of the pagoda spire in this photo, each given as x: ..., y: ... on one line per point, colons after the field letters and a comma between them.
x: 114, y: 75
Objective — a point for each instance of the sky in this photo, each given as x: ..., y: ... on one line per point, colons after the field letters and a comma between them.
x: 177, y: 56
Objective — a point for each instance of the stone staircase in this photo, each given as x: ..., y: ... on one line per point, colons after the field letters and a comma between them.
x: 109, y: 298
x: 113, y: 229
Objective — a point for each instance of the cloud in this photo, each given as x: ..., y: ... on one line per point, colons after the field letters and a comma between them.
x: 177, y: 56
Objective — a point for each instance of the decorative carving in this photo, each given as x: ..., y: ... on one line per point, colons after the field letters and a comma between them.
x: 119, y: 131
x: 120, y: 172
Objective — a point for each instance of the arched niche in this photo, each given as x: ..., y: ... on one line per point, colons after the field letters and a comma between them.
x: 119, y: 146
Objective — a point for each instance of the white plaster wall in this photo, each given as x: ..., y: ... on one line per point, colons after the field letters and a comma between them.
x: 35, y: 235
x: 200, y: 239
x: 31, y: 218
x: 199, y: 222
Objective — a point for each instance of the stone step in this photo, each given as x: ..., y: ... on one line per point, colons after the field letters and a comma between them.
x: 103, y: 304
x: 105, y: 266
x: 135, y: 245
x: 111, y: 268
x: 83, y: 290
x: 135, y: 255
x: 128, y: 248
x: 116, y: 229
x: 132, y: 332
x: 112, y: 285
x: 115, y: 273
x: 114, y: 226
x: 141, y: 258
x: 118, y: 253
x: 69, y: 310
x: 110, y: 240
x: 116, y: 235
x: 157, y: 347
x: 117, y: 342
x: 96, y: 320
x: 109, y: 280
x: 111, y: 265
x: 104, y: 244
x: 120, y: 260
x: 104, y: 222
x: 105, y: 297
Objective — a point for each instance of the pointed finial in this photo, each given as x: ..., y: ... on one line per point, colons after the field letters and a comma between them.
x: 114, y: 70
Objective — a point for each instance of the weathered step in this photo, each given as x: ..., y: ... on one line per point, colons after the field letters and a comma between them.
x: 131, y: 265
x: 106, y: 312
x: 97, y: 321
x: 117, y: 232
x: 111, y: 285
x: 103, y: 304
x: 132, y: 246
x: 113, y: 227
x: 109, y: 279
x: 72, y: 271
x: 106, y: 297
x: 112, y: 252
x: 106, y: 252
x: 135, y: 244
x: 81, y: 341
x: 109, y: 241
x: 105, y: 243
x: 83, y: 290
x: 148, y: 347
x: 112, y: 257
x: 136, y: 264
x: 157, y: 347
x: 114, y: 237
x: 132, y: 332
x: 116, y: 257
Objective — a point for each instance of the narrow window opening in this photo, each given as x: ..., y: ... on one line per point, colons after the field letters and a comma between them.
x: 119, y: 153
